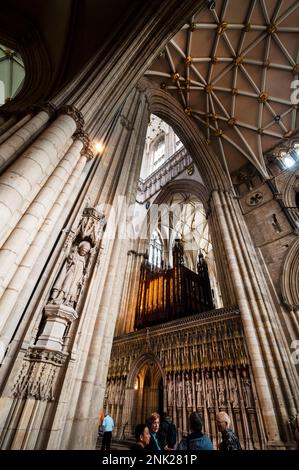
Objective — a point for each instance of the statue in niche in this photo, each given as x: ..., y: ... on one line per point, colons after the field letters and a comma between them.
x: 199, y: 390
x: 210, y: 391
x: 180, y: 394
x: 246, y: 387
x: 220, y: 390
x: 170, y: 393
x: 68, y: 285
x: 188, y: 392
x: 233, y: 389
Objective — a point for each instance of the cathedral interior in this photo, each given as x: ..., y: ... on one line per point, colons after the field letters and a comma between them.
x: 149, y: 218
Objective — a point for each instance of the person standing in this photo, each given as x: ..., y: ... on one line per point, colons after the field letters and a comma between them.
x: 167, y: 433
x: 196, y: 440
x: 154, y: 424
x: 108, y: 425
x: 229, y: 439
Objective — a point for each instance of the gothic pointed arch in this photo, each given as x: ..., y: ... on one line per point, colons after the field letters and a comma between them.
x: 139, y: 363
x: 167, y: 108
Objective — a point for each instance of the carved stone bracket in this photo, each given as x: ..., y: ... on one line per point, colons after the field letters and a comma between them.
x: 38, y: 374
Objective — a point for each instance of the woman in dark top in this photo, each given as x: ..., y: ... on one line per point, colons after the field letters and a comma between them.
x: 142, y: 436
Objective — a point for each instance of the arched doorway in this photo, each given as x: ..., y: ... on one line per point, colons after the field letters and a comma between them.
x: 148, y: 392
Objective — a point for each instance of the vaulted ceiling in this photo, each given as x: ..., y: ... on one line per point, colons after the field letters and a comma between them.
x: 231, y: 68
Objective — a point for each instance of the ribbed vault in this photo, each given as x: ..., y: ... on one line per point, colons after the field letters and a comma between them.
x: 231, y: 69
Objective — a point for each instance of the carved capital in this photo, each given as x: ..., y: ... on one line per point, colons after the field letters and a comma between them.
x: 48, y: 107
x: 75, y: 114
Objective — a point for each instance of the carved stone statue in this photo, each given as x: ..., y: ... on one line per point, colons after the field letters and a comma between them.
x: 246, y: 387
x: 199, y: 391
x: 188, y: 392
x: 67, y: 287
x: 170, y: 393
x: 220, y: 390
x: 233, y: 389
x: 180, y: 394
x: 210, y: 391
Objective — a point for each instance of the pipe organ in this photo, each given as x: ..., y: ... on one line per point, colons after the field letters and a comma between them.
x: 168, y: 294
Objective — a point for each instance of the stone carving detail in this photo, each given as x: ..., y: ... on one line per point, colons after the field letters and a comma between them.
x: 233, y: 389
x: 170, y: 394
x: 255, y: 199
x: 179, y: 397
x: 48, y: 107
x: 199, y: 391
x: 206, y: 368
x: 74, y: 113
x: 69, y: 283
x: 246, y: 388
x: 91, y: 225
x: 38, y: 375
x: 220, y: 390
x: 71, y: 279
x: 42, y: 362
x: 188, y: 392
x: 209, y: 391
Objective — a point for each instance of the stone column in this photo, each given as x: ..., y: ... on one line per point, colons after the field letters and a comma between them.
x: 20, y: 135
x: 24, y: 178
x: 35, y: 226
x: 252, y: 299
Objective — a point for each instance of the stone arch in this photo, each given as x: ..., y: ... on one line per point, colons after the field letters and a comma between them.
x: 290, y: 277
x: 26, y: 39
x: 167, y: 108
x: 142, y: 402
x: 139, y: 363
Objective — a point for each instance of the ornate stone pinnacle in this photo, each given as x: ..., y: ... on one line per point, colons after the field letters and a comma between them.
x: 74, y: 113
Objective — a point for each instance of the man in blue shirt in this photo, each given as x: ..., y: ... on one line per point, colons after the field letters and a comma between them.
x: 108, y: 425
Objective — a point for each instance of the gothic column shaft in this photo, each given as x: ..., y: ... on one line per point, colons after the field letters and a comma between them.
x: 90, y: 381
x: 12, y: 293
x: 5, y: 135
x: 28, y: 226
x: 286, y: 380
x: 20, y: 134
x: 233, y: 254
x: 24, y: 178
